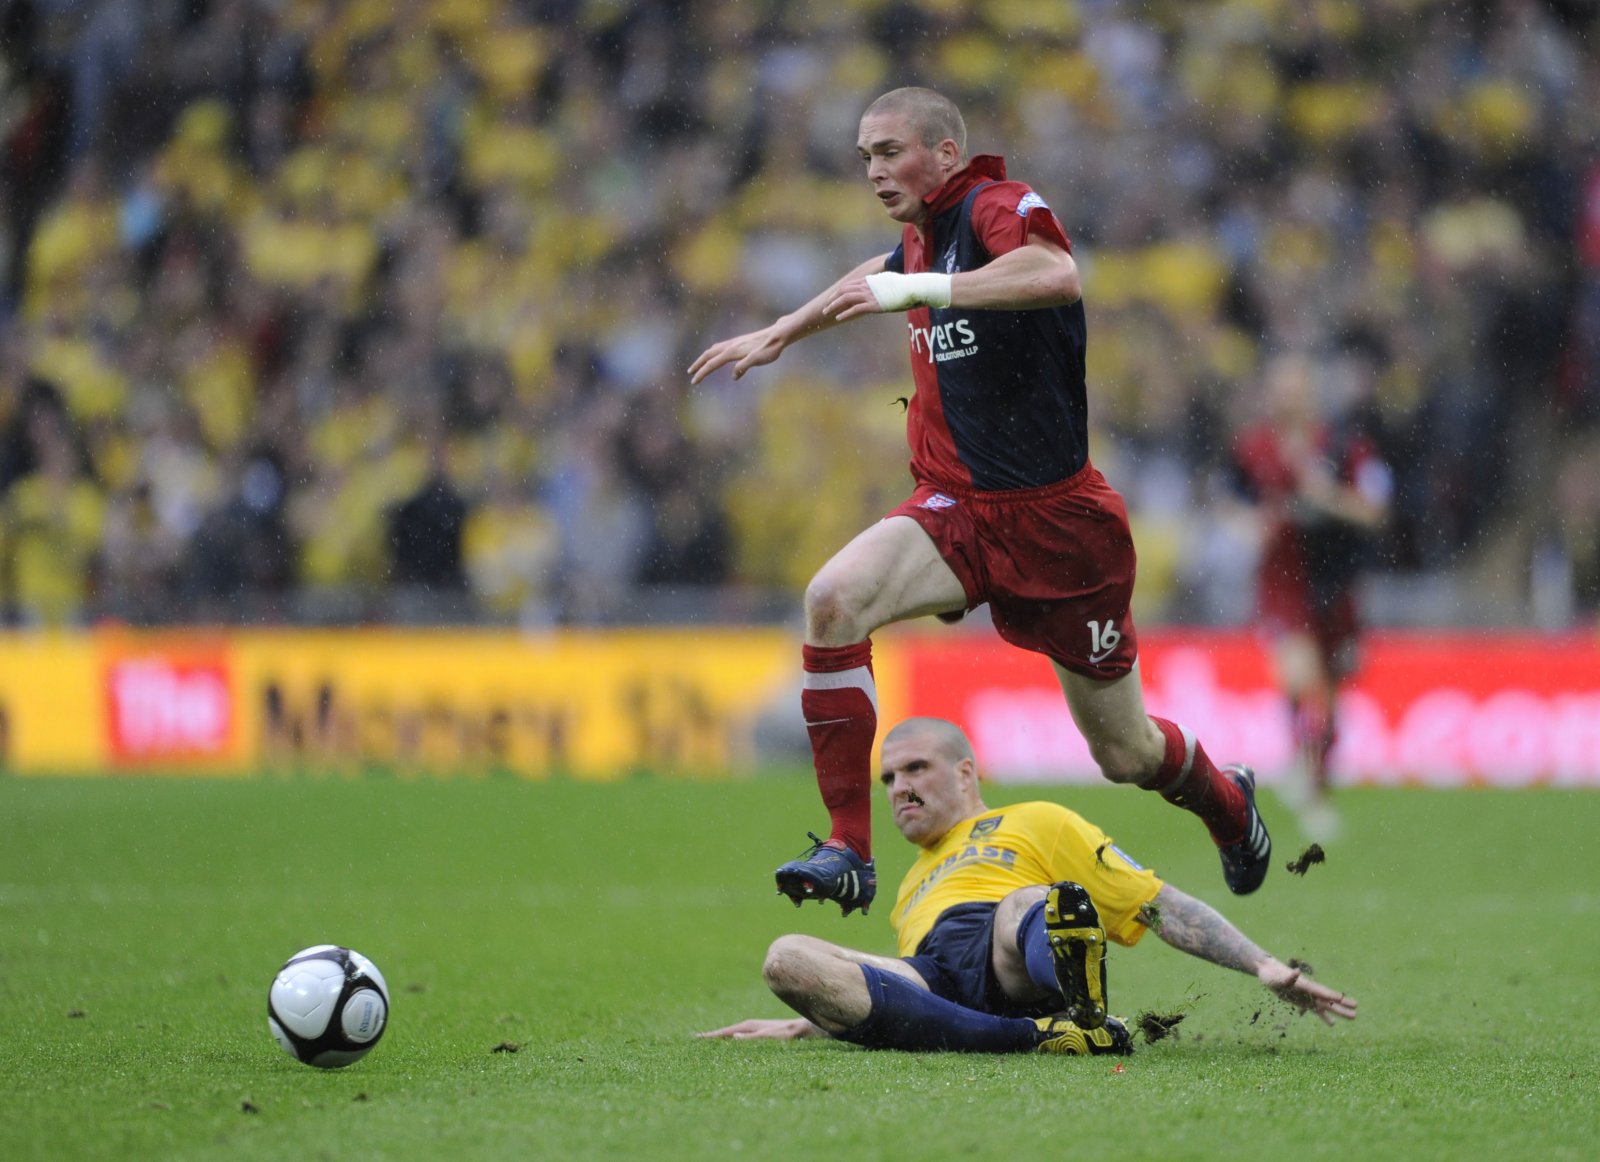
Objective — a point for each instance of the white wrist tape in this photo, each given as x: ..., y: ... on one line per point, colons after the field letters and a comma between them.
x: 901, y: 292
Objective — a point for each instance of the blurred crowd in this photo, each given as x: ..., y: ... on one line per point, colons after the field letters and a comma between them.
x: 380, y: 309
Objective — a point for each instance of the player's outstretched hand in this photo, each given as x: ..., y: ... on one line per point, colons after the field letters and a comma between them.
x: 755, y: 349
x: 851, y: 299
x: 1294, y: 986
x: 765, y: 1029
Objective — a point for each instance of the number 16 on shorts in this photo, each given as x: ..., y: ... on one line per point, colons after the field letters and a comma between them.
x: 1103, y: 640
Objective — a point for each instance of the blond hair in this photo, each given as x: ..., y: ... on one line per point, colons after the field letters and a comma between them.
x: 949, y: 737
x: 933, y: 116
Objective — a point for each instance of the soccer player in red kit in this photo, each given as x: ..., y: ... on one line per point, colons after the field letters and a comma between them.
x: 1007, y: 508
x: 1320, y: 493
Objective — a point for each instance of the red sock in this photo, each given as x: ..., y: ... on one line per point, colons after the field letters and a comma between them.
x: 1188, y: 779
x: 1313, y: 735
x: 840, y: 704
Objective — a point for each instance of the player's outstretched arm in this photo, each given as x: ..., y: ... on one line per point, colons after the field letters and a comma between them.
x: 758, y: 348
x: 1365, y: 507
x: 1195, y: 927
x: 1040, y: 274
x: 765, y: 1029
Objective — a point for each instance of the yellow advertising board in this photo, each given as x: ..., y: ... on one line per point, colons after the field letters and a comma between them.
x: 591, y: 704
x: 51, y: 709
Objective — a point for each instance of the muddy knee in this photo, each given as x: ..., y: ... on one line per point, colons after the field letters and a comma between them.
x: 791, y: 964
x: 832, y: 612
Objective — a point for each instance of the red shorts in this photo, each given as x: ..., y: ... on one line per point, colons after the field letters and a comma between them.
x: 1286, y: 605
x: 1055, y: 564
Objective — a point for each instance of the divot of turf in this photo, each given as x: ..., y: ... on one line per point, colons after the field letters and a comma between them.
x: 1311, y: 855
x: 1156, y: 1026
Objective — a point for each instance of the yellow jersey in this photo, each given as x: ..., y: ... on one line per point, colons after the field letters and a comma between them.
x: 991, y: 855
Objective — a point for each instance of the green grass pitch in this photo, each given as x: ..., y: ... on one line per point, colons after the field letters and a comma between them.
x: 596, y: 927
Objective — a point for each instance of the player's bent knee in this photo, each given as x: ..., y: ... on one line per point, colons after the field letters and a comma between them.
x: 1013, y: 906
x: 1123, y: 764
x: 791, y: 963
x: 1011, y: 909
x: 832, y: 611
x: 781, y: 955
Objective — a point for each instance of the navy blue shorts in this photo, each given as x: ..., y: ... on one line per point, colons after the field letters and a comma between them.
x: 956, y: 960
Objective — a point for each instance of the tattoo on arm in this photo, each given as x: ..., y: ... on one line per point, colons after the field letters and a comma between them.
x: 1195, y: 927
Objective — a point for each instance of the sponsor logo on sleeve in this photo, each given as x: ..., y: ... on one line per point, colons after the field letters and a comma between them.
x: 1133, y: 863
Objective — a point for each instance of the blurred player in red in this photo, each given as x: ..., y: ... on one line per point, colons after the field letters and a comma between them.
x: 1007, y: 509
x: 1320, y: 493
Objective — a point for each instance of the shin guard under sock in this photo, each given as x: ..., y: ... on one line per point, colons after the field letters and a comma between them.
x: 1187, y: 778
x: 1035, y: 948
x: 1313, y: 735
x: 905, y: 1016
x: 840, y: 704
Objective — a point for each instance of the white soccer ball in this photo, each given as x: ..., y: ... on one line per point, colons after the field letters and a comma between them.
x: 328, y: 1006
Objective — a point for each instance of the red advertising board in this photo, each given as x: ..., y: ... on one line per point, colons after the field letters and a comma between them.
x: 1440, y: 710
x: 168, y: 705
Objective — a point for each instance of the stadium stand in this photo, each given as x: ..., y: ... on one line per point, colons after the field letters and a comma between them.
x: 370, y: 311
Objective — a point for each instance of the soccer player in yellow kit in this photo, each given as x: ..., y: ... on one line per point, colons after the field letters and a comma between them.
x: 1001, y: 923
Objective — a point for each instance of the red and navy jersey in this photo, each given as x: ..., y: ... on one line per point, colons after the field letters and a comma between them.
x: 1000, y: 401
x: 1306, y: 556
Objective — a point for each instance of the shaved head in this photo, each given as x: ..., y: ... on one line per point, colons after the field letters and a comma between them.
x: 932, y: 116
x: 931, y: 775
x: 950, y: 739
x: 1291, y: 386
